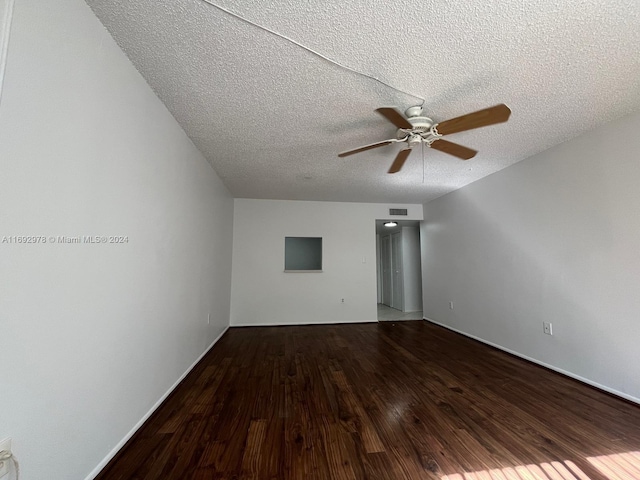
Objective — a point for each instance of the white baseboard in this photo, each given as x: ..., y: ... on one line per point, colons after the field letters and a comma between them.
x: 135, y: 428
x: 538, y: 362
x: 276, y: 324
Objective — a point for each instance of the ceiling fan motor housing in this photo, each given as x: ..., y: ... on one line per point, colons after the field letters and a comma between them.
x: 414, y: 140
x: 421, y: 125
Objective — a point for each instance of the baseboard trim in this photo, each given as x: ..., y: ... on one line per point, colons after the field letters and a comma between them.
x: 94, y: 473
x: 542, y: 364
x: 275, y: 324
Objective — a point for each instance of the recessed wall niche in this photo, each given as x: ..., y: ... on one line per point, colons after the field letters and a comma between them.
x: 303, y: 254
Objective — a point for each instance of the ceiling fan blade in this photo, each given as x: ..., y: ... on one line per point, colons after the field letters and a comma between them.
x: 394, y: 117
x: 482, y: 118
x: 399, y: 161
x: 454, y: 149
x: 367, y: 147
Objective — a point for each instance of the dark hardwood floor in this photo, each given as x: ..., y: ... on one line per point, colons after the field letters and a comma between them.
x: 405, y: 400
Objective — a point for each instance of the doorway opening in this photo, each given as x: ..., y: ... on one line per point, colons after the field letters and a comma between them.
x: 399, y: 270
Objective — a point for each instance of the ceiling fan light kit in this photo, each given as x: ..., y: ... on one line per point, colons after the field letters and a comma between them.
x: 415, y: 129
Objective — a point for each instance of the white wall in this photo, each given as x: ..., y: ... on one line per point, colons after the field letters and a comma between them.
x: 263, y: 294
x: 555, y: 237
x: 378, y: 270
x: 92, y: 336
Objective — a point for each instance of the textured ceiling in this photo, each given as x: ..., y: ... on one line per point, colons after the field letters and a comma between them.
x: 271, y: 117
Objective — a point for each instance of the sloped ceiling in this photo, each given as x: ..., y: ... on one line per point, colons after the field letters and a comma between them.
x: 271, y: 117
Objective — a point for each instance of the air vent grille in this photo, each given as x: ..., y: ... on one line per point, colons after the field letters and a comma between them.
x: 398, y: 211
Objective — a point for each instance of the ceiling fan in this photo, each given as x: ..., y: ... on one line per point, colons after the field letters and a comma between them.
x: 416, y: 129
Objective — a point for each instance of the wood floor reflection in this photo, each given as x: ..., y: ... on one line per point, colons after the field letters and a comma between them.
x: 406, y: 400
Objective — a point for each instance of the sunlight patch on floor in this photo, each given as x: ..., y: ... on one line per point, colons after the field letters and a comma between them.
x: 618, y: 466
x: 545, y: 471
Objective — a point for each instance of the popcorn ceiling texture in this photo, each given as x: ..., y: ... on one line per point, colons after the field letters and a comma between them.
x: 271, y: 117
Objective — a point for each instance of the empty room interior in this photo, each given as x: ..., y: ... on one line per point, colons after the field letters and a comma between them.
x: 319, y: 240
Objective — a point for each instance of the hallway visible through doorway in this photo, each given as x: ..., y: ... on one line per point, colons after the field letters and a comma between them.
x: 387, y: 313
x: 398, y: 270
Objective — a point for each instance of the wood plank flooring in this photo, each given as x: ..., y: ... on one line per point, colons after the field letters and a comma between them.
x: 404, y: 400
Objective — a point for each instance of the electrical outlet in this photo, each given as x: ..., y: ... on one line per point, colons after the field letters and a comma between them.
x: 547, y: 328
x: 5, y: 445
x: 343, y: 300
x: 209, y: 319
x: 450, y: 305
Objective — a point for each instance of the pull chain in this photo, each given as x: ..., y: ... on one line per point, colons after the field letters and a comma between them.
x: 423, y: 163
